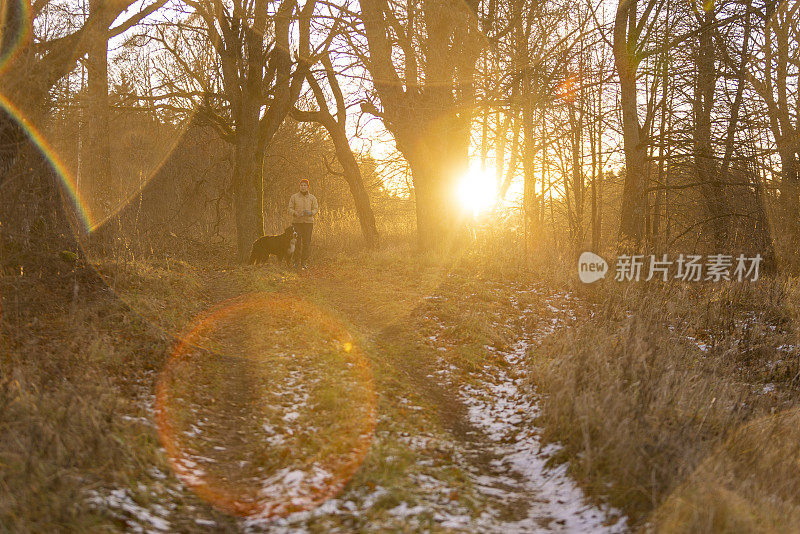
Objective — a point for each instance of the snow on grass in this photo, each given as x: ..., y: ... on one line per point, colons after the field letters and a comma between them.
x: 505, y: 462
x: 768, y: 388
x: 404, y: 510
x: 120, y: 504
x: 504, y: 411
x: 290, y: 485
x: 522, y: 493
x: 357, y: 503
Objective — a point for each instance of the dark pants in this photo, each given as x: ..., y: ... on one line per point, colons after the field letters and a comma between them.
x: 303, y: 241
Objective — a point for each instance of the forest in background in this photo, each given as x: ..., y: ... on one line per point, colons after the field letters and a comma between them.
x: 657, y: 125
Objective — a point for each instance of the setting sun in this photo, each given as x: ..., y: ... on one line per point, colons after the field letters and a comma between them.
x: 478, y: 190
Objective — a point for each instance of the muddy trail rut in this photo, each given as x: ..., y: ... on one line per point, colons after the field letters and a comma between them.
x: 316, y: 410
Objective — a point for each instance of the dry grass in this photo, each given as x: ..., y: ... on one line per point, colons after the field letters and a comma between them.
x: 664, y: 396
x: 748, y: 484
x: 339, y: 232
x: 653, y: 378
x: 60, y: 433
x: 77, y: 371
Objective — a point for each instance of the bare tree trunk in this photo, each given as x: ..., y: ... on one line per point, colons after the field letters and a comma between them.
x: 512, y: 162
x: 662, y: 142
x: 595, y: 148
x: 352, y: 174
x: 634, y: 199
x: 730, y: 134
x: 790, y: 179
x: 247, y: 184
x: 438, y: 158
x: 431, y: 119
x: 529, y: 178
x: 763, y: 231
x: 705, y: 166
x: 578, y: 186
x: 96, y: 153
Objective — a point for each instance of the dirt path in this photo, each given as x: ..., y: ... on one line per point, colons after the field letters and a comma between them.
x: 455, y: 447
x: 530, y: 496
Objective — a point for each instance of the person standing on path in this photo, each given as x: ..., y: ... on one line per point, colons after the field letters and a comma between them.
x: 302, y: 207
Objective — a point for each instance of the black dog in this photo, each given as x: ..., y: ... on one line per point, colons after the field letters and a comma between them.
x: 281, y: 246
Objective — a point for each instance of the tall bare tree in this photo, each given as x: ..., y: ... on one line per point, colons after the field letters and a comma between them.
x: 628, y: 28
x: 259, y: 87
x: 427, y: 99
x: 336, y: 125
x: 703, y: 105
x: 33, y: 64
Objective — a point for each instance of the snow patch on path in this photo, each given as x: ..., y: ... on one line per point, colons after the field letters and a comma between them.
x: 504, y: 410
x: 505, y: 413
x: 121, y: 504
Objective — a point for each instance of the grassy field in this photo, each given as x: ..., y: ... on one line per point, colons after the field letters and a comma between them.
x: 661, y: 396
x: 676, y: 401
x: 80, y: 371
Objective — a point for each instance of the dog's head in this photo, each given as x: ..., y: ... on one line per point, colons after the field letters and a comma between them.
x: 290, y: 234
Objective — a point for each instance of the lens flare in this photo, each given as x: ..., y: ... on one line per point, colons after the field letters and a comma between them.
x: 15, y: 30
x: 566, y: 89
x: 266, y: 407
x: 38, y: 139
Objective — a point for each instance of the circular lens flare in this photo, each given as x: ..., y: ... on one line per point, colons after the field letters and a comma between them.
x: 266, y: 407
x: 566, y: 89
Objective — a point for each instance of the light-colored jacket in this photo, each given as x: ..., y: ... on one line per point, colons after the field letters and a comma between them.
x: 299, y: 203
